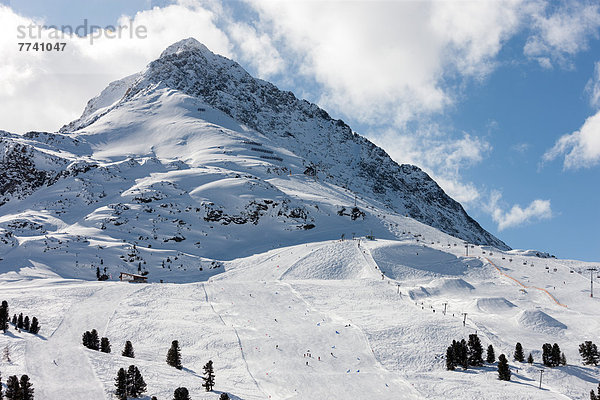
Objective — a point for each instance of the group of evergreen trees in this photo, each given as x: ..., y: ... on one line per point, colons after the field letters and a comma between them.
x: 589, y: 353
x: 520, y: 355
x: 552, y: 356
x: 18, y: 389
x: 20, y: 322
x: 130, y: 383
x: 465, y: 354
x: 91, y: 341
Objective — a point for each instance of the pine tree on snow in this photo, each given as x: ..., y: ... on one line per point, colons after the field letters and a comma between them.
x: 563, y: 359
x: 128, y: 350
x: 94, y: 340
x: 4, y: 316
x: 224, y: 396
x: 13, y: 389
x: 555, y: 355
x: 530, y: 359
x: 20, y: 321
x: 503, y: 369
x: 181, y: 393
x: 450, y: 357
x: 589, y: 353
x: 463, y: 354
x: 491, y: 356
x: 174, y: 355
x: 85, y: 339
x: 136, y: 385
x: 547, y: 354
x: 35, y: 326
x: 14, y: 320
x: 26, y: 323
x: 209, y: 376
x: 26, y: 388
x: 519, y: 356
x: 593, y: 395
x: 105, y: 345
x: 121, y: 385
x: 153, y: 398
x: 475, y: 350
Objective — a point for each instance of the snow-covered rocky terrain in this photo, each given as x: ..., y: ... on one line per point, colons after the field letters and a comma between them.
x: 268, y: 231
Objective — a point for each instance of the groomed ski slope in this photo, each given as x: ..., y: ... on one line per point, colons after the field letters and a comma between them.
x: 378, y: 337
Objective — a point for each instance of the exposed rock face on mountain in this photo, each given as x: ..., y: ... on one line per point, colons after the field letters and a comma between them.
x: 194, y: 151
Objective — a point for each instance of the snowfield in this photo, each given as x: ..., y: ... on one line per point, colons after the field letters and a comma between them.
x: 313, y: 321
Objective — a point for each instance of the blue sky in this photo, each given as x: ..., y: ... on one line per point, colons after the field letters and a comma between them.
x: 477, y: 96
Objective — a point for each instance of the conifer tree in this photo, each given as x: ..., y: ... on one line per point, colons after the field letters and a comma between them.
x: 85, y: 339
x: 475, y: 350
x: 530, y: 359
x: 503, y: 369
x: 20, y: 321
x: 4, y: 316
x: 35, y: 326
x: 224, y: 396
x: 26, y: 388
x: 13, y: 389
x: 547, y: 354
x: 589, y: 353
x: 105, y: 345
x: 450, y: 357
x: 181, y: 393
x: 174, y: 355
x: 94, y: 340
x: 593, y: 395
x: 555, y: 355
x: 209, y: 376
x: 153, y: 398
x: 491, y: 356
x: 128, y: 350
x: 14, y: 320
x: 98, y: 273
x: 519, y: 356
x: 563, y: 359
x: 135, y: 382
x: 121, y: 385
x: 463, y: 354
x: 26, y: 323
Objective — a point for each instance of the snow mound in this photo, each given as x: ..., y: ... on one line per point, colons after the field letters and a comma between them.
x: 341, y: 260
x: 408, y: 261
x: 494, y: 304
x: 452, y: 285
x: 539, y: 321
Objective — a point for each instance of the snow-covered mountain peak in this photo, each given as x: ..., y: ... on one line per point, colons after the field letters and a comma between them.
x: 189, y: 44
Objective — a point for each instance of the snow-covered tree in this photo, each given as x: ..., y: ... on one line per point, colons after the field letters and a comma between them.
x: 174, y: 355
x: 209, y: 376
x: 450, y: 358
x: 128, y: 350
x: 503, y: 369
x: 530, y: 359
x: 26, y: 323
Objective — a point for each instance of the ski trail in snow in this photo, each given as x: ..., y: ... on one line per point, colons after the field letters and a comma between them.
x: 59, y: 366
x: 238, y: 339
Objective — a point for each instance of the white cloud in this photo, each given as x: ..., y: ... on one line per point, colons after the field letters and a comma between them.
x: 386, y: 61
x: 558, y: 33
x: 581, y: 149
x: 537, y: 210
x: 593, y: 87
x: 43, y: 90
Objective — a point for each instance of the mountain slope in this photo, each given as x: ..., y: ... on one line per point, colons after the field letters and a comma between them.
x: 193, y: 160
